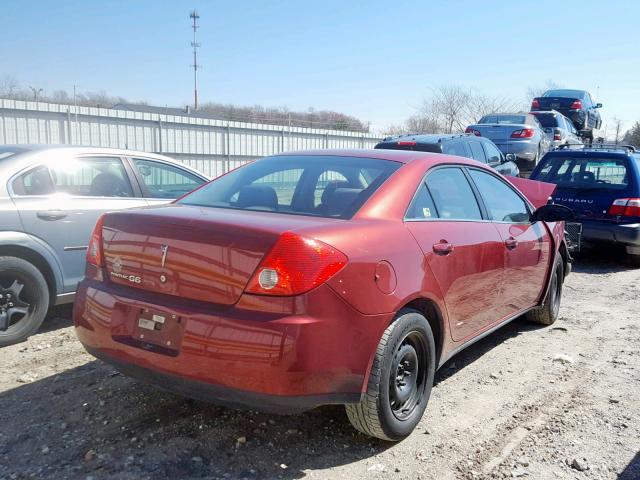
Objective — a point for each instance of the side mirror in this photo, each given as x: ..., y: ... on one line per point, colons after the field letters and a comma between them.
x: 510, y: 157
x: 598, y: 105
x: 552, y: 213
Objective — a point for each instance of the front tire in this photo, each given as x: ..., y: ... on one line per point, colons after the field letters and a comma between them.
x: 24, y: 300
x: 400, y: 381
x: 548, y: 313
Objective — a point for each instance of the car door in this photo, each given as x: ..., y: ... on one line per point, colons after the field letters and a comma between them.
x: 162, y: 182
x: 60, y: 203
x: 526, y: 245
x: 463, y: 250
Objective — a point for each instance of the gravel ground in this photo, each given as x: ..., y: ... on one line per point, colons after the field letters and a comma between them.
x: 544, y: 403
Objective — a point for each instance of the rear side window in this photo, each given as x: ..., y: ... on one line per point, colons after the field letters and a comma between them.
x: 91, y: 177
x: 590, y: 173
x: 452, y: 195
x: 422, y: 206
x: 502, y: 202
x: 324, y: 186
x: 36, y: 181
x: 163, y: 180
x: 455, y: 147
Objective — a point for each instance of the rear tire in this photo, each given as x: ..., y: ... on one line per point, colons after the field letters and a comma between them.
x: 400, y: 381
x: 24, y: 300
x: 548, y: 313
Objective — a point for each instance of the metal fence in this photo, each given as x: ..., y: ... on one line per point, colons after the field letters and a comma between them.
x: 209, y: 145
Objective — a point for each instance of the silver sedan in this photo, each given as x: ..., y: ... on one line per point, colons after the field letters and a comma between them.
x: 50, y: 199
x: 518, y: 133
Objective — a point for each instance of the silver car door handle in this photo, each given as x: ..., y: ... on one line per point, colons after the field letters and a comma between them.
x: 51, y: 214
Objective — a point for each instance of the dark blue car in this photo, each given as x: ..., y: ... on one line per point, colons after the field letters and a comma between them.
x: 601, y: 184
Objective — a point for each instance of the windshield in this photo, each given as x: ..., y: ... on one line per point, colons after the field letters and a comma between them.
x: 584, y: 173
x: 564, y: 93
x: 547, y: 120
x: 507, y: 119
x: 323, y: 186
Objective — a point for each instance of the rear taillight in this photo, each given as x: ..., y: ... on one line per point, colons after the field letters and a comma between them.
x: 474, y: 131
x: 295, y: 265
x: 557, y: 136
x: 625, y: 207
x: 524, y: 133
x: 576, y: 105
x: 94, y: 252
x: 535, y: 103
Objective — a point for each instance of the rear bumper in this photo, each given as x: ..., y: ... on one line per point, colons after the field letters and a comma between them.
x: 627, y: 234
x: 274, y: 354
x: 522, y: 149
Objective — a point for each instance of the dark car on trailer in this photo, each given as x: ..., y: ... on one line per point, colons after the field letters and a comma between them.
x: 601, y: 184
x: 462, y: 145
x: 577, y: 105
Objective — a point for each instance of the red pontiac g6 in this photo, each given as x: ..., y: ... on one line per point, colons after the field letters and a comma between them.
x: 321, y: 277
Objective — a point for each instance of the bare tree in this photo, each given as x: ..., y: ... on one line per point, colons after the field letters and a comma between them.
x: 617, y: 126
x: 538, y: 90
x: 9, y: 87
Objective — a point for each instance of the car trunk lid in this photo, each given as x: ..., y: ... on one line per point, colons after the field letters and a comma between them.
x: 498, y: 132
x: 198, y: 253
x: 555, y: 103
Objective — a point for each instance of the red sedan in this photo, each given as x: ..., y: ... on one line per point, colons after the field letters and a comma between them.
x: 321, y: 277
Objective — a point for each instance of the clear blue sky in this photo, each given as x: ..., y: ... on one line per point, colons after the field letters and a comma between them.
x: 373, y: 59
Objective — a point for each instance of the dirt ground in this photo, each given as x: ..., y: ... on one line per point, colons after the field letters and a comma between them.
x: 561, y: 402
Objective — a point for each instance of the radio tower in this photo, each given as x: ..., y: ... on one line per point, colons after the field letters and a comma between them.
x: 194, y: 16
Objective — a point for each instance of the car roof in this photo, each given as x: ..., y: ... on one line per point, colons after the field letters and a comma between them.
x: 401, y: 156
x: 26, y: 155
x: 430, y: 138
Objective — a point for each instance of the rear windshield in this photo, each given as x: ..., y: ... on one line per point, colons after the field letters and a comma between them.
x: 323, y: 186
x: 547, y: 120
x: 584, y: 173
x: 564, y: 93
x: 508, y: 119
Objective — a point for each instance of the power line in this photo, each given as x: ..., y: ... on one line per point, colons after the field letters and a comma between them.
x: 194, y: 16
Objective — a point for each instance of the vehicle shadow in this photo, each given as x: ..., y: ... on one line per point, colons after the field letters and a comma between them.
x: 632, y: 470
x: 602, y: 260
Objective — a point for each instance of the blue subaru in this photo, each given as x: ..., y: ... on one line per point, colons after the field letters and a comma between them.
x: 601, y: 184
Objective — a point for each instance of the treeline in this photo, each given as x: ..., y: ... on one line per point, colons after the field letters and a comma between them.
x: 632, y: 136
x: 323, y: 119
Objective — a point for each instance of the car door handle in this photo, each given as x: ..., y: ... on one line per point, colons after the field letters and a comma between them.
x: 51, y: 214
x: 442, y: 248
x: 511, y: 243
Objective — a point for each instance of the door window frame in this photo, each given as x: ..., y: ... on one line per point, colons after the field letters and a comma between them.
x: 484, y: 212
x: 142, y: 186
x: 135, y: 188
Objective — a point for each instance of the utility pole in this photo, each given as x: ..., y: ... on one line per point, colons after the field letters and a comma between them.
x: 194, y: 16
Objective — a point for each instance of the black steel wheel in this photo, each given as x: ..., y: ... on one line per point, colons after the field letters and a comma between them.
x: 400, y: 380
x: 24, y: 299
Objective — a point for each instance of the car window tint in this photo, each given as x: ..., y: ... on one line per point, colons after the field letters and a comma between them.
x: 584, y: 173
x: 493, y: 154
x: 422, y: 207
x: 328, y: 181
x: 91, y: 177
x: 502, y: 202
x: 547, y: 120
x: 455, y: 147
x: 452, y: 195
x: 477, y: 151
x: 503, y: 119
x: 36, y: 181
x: 288, y: 184
x: 165, y: 181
